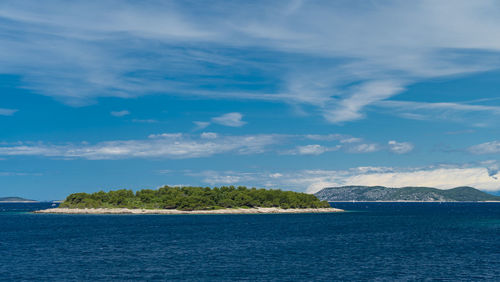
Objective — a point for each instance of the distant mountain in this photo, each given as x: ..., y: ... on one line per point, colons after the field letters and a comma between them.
x: 15, y: 199
x: 380, y: 193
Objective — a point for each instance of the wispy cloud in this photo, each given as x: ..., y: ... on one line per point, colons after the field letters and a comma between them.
x: 347, y: 144
x: 120, y: 113
x: 201, y: 124
x: 333, y: 137
x: 457, y: 132
x: 228, y: 177
x: 144, y: 120
x: 314, y: 149
x: 171, y: 146
x: 182, y: 146
x: 457, y: 112
x: 492, y: 147
x: 78, y: 51
x: 350, y: 108
x: 7, y: 112
x: 230, y: 119
x: 16, y: 173
x: 363, y: 148
x: 209, y: 135
x: 400, y: 147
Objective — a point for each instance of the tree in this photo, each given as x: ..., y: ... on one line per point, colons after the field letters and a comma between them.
x: 193, y: 198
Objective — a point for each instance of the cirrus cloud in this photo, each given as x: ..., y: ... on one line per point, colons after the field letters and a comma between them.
x: 120, y: 113
x: 168, y: 145
x: 7, y: 112
x: 230, y: 119
x: 400, y: 147
x: 79, y: 51
x: 492, y: 147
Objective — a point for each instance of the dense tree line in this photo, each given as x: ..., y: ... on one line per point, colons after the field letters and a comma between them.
x: 194, y: 198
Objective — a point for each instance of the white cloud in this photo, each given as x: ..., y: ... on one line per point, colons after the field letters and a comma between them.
x: 492, y: 166
x: 369, y: 53
x: 230, y: 119
x: 145, y: 120
x: 171, y: 146
x: 11, y: 173
x: 167, y: 135
x: 120, y: 113
x: 342, y: 138
x: 363, y: 148
x: 208, y: 135
x: 400, y: 147
x: 492, y: 147
x: 473, y: 114
x: 7, y: 112
x: 442, y: 177
x: 313, y: 149
x: 181, y: 145
x: 457, y: 132
x: 201, y: 124
x: 275, y: 175
x: 229, y: 177
x: 316, y: 149
x: 346, y: 144
x: 350, y: 108
x: 351, y: 140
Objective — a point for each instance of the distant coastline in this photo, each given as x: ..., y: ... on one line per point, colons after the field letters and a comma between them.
x: 16, y: 200
x: 20, y: 202
x: 174, y: 212
x: 404, y: 194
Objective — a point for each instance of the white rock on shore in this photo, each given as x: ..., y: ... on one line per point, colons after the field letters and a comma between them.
x: 171, y: 211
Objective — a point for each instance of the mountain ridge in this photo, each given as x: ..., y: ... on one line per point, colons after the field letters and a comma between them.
x: 417, y: 194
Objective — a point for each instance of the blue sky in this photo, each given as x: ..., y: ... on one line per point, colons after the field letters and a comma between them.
x: 296, y: 95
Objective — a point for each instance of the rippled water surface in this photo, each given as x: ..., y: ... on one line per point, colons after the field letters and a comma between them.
x: 376, y: 241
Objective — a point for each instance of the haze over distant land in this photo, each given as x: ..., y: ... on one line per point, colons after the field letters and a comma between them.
x: 290, y: 94
x: 15, y: 200
x: 417, y: 194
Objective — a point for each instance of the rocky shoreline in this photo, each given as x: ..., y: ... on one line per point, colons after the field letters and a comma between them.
x: 171, y: 211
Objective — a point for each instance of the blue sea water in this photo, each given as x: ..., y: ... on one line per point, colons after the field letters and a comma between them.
x: 374, y: 241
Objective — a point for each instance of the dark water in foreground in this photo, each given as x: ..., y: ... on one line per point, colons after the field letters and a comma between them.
x: 380, y: 241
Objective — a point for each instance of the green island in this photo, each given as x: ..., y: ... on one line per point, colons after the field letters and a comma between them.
x: 194, y: 198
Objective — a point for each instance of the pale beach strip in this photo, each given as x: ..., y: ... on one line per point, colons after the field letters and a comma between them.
x: 172, y: 211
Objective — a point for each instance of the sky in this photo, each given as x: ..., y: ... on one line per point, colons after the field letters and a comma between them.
x: 296, y: 95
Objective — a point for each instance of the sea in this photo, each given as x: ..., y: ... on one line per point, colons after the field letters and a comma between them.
x: 371, y: 241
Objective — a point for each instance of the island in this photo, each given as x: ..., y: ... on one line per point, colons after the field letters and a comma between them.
x: 16, y: 200
x: 405, y: 194
x: 192, y: 200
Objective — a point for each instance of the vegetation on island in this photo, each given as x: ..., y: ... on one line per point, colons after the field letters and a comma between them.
x: 194, y: 198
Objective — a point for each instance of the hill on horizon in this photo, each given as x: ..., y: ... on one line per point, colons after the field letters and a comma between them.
x: 426, y: 194
x: 15, y: 199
